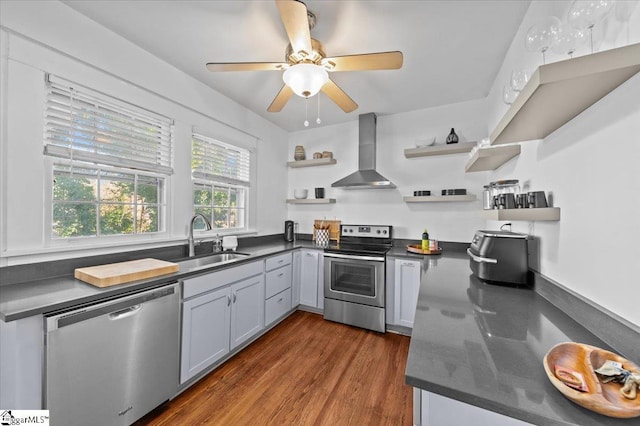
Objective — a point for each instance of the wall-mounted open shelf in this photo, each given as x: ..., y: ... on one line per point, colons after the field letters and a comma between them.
x: 311, y: 201
x: 440, y: 198
x: 491, y: 158
x: 312, y: 162
x: 447, y: 149
x: 546, y: 213
x: 560, y: 91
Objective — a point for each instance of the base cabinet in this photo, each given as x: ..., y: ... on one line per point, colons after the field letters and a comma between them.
x: 407, y: 286
x: 311, y: 279
x: 430, y: 409
x: 221, y: 311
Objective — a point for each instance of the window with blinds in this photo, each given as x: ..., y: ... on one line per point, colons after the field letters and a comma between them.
x: 221, y: 179
x: 112, y: 160
x: 84, y: 125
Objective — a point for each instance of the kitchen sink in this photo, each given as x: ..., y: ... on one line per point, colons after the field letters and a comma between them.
x: 210, y: 260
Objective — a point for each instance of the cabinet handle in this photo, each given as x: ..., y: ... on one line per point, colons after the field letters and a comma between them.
x: 408, y: 264
x: 234, y: 297
x: 281, y: 260
x: 281, y: 274
x: 280, y: 300
x: 309, y: 254
x: 228, y: 300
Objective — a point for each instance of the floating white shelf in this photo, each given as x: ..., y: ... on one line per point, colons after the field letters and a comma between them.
x: 560, y: 91
x: 491, y: 158
x: 440, y: 198
x: 546, y: 213
x: 311, y: 201
x: 312, y: 162
x: 447, y: 149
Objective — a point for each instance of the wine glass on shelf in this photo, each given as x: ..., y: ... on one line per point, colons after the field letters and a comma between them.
x: 567, y: 40
x: 541, y: 35
x: 508, y: 94
x: 584, y: 15
x: 519, y: 79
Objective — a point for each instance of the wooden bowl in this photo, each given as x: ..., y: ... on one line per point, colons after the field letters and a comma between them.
x: 603, y: 398
x: 417, y: 248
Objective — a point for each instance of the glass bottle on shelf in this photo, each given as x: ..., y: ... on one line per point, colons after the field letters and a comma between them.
x: 452, y: 138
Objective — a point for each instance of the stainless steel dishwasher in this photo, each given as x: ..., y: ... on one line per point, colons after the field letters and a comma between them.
x: 111, y: 363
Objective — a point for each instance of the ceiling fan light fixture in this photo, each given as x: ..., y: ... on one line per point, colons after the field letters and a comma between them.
x: 305, y: 80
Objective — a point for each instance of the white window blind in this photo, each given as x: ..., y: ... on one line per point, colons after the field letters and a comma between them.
x: 217, y: 161
x: 84, y: 125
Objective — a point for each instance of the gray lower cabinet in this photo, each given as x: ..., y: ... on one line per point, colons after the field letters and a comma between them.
x: 407, y: 286
x: 278, y: 281
x: 220, y: 311
x: 430, y: 409
x: 310, y: 279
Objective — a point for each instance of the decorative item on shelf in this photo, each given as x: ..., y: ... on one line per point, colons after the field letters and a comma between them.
x: 299, y: 153
x: 327, y: 154
x: 567, y: 40
x: 584, y: 15
x: 319, y: 192
x: 428, y: 141
x: 541, y: 35
x: 452, y: 138
x: 423, y: 193
x: 454, y: 192
x: 317, y: 155
x: 300, y: 194
x: 519, y: 79
x: 508, y: 94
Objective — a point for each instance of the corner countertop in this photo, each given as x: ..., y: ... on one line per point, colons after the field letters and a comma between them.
x: 483, y: 344
x: 25, y: 299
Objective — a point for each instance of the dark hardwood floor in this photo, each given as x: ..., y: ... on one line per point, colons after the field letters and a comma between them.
x: 305, y: 371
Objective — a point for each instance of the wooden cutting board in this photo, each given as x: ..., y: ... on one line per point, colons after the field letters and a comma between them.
x: 124, y: 272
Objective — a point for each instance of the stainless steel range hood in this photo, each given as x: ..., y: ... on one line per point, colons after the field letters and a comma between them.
x: 366, y: 177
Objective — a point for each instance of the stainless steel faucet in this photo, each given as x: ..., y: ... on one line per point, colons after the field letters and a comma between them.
x: 192, y: 250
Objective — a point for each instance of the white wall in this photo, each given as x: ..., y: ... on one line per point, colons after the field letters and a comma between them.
x: 450, y: 221
x: 591, y: 167
x: 47, y: 36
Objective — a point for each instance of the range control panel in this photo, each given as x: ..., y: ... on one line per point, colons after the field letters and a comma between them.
x: 372, y: 231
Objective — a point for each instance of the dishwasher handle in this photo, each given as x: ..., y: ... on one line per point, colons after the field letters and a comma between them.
x: 118, y: 308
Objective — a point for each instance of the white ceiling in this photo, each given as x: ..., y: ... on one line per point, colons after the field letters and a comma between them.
x: 452, y: 49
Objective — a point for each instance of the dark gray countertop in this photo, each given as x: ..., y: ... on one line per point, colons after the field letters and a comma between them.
x: 484, y: 344
x: 25, y: 299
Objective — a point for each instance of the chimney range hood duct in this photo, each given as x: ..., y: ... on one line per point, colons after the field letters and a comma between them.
x: 366, y: 177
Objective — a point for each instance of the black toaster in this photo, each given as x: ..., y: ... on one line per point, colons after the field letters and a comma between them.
x: 500, y: 257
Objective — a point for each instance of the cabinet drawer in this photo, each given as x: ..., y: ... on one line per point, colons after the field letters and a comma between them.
x: 278, y: 280
x: 277, y: 306
x: 278, y: 261
x: 211, y: 281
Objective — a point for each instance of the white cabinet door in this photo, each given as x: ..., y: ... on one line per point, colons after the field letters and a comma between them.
x: 205, y: 331
x: 295, y: 281
x: 309, y: 278
x: 247, y: 309
x: 407, y: 285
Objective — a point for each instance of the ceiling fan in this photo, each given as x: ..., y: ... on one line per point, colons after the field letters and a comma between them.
x: 306, y: 67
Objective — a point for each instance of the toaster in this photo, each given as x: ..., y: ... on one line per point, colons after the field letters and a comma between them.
x: 501, y: 257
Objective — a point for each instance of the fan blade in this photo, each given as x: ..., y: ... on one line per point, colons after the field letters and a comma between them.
x: 246, y: 66
x: 367, y: 61
x: 281, y: 99
x: 294, y: 17
x: 337, y: 95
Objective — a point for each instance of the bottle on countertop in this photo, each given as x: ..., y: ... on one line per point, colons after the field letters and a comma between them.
x: 425, y: 240
x: 452, y: 138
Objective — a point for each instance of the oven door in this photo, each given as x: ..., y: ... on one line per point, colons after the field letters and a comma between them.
x: 354, y: 278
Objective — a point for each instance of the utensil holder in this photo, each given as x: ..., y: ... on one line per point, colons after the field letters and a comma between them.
x: 322, y: 237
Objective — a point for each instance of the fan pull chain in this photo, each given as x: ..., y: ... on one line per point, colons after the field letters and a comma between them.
x: 306, y: 112
x: 318, y: 121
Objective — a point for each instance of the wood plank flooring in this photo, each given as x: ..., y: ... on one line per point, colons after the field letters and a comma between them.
x: 306, y: 371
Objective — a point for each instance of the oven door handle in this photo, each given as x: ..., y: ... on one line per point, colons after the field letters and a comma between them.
x: 354, y: 257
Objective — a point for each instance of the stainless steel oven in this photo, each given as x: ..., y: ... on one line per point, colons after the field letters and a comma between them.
x: 354, y: 277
